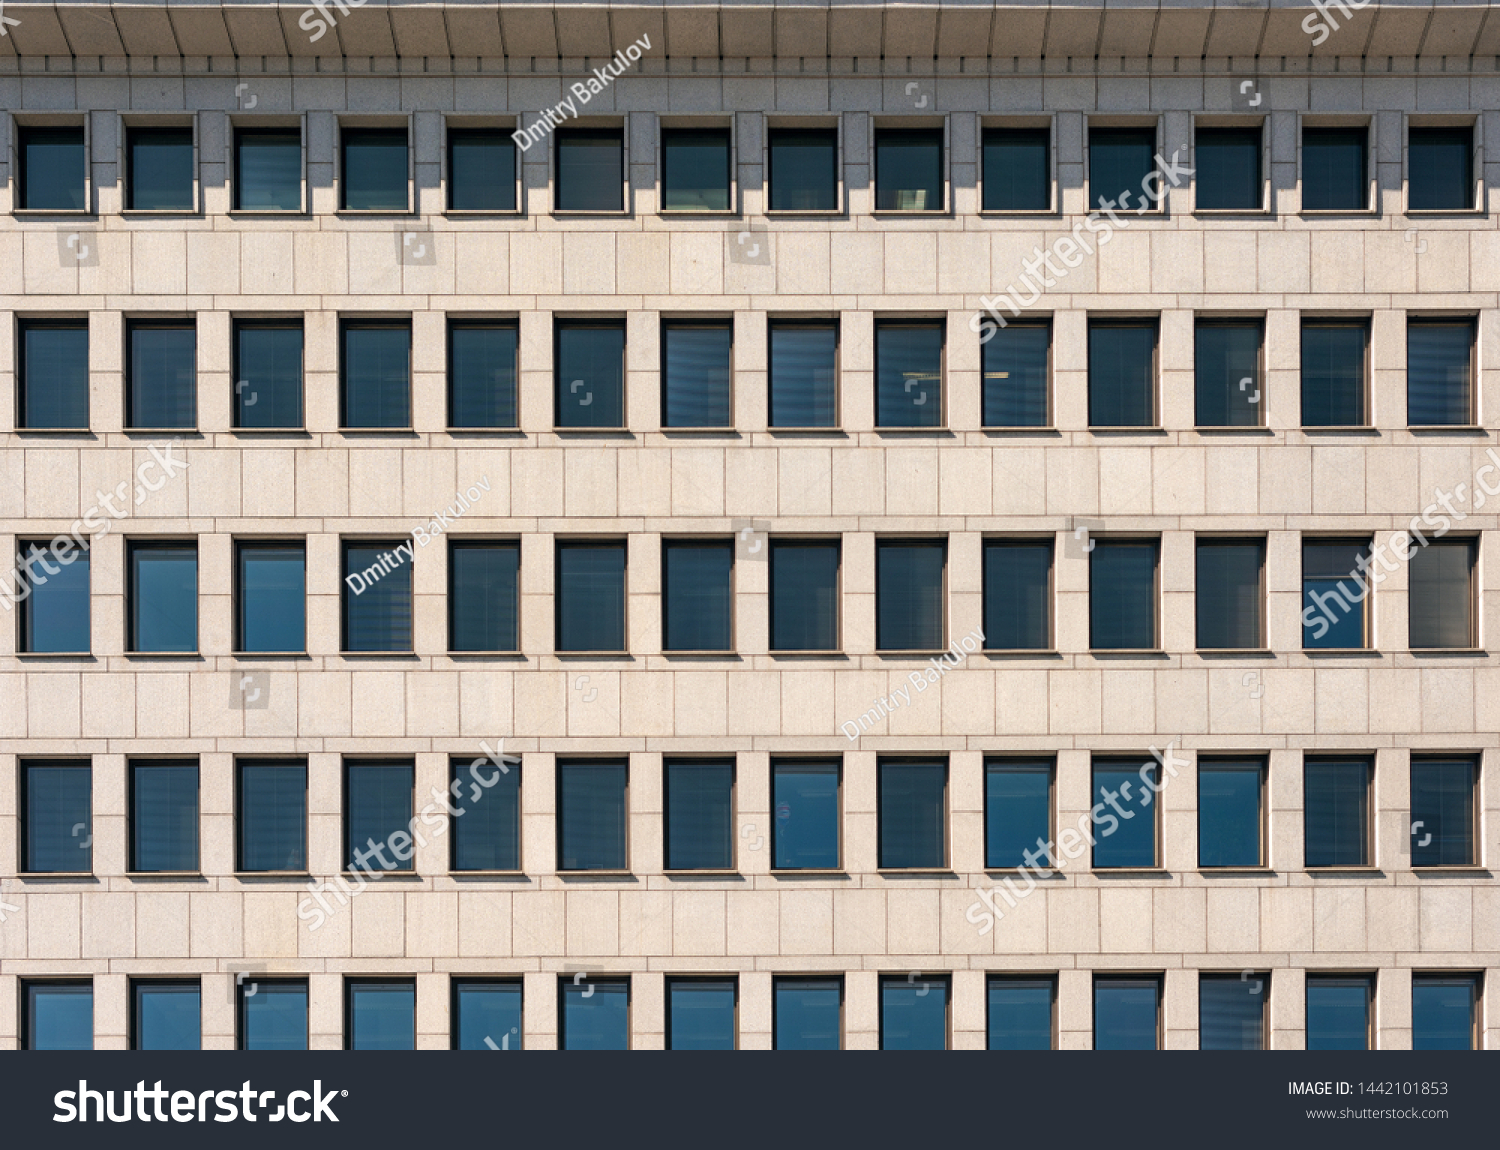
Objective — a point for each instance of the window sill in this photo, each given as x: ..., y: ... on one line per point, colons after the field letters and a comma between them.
x: 690, y: 213
x: 487, y: 654
x: 1019, y: 652
x: 591, y: 213
x: 1441, y: 652
x: 839, y: 431
x: 479, y: 213
x: 53, y: 656
x: 377, y: 654
x: 909, y: 213
x: 592, y: 654
x: 1221, y: 429
x: 174, y: 431
x: 57, y: 875
x: 36, y: 213
x: 1259, y: 868
x: 590, y: 430
x: 699, y: 430
x: 164, y: 874
x: 804, y: 213
x: 809, y: 872
x: 1113, y: 429
x: 1452, y: 868
x: 1352, y: 868
x: 159, y: 213
x: 710, y: 872
x: 1340, y: 652
x: 360, y: 213
x: 407, y: 430
x: 1221, y: 213
x: 916, y: 871
x: 925, y: 653
x: 486, y: 874
x: 1130, y: 871
x: 1018, y: 213
x: 831, y: 653
x: 1127, y: 652
x: 674, y: 654
x: 183, y: 655
x: 52, y: 430
x: 1233, y: 652
x: 267, y: 213
x: 269, y: 430
x: 516, y: 430
x: 374, y: 875
x: 1340, y: 429
x: 1444, y: 213
x: 1325, y: 213
x: 1462, y: 428
x: 270, y: 654
x: 930, y: 429
x: 605, y: 874
x: 287, y: 875
x: 1013, y: 429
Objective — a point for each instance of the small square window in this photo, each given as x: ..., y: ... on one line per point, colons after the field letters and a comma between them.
x: 57, y: 817
x: 161, y: 378
x: 808, y: 1013
x: 590, y: 374
x: 1120, y: 160
x: 272, y: 808
x: 1334, y: 170
x: 590, y: 169
x: 702, y: 1013
x: 271, y: 582
x: 699, y: 813
x: 1440, y: 372
x: 1122, y: 594
x: 53, y: 169
x: 377, y: 596
x: 268, y: 169
x: 1016, y: 367
x: 804, y: 369
x: 52, y: 369
x: 806, y: 816
x: 481, y: 170
x: 1125, y: 827
x: 1017, y: 812
x: 273, y: 1014
x: 1444, y: 1011
x: 1227, y: 169
x: 482, y: 374
x: 1443, y: 814
x: 54, y: 608
x: 1017, y: 169
x: 697, y: 595
x: 697, y: 360
x: 595, y: 1014
x: 487, y: 1014
x: 909, y: 169
x: 1017, y: 595
x: 1227, y: 382
x: 1122, y: 373
x: 1232, y: 1010
x: 1335, y: 594
x: 592, y: 814
x: 1021, y: 1011
x: 159, y: 169
x: 1338, y: 1011
x: 590, y: 595
x: 1127, y: 1013
x: 908, y: 374
x: 804, y: 174
x: 164, y: 816
x: 57, y: 1016
x: 913, y: 803
x: 377, y: 816
x: 909, y: 594
x: 268, y: 374
x: 1336, y: 814
x: 483, y: 595
x: 163, y: 596
x: 375, y: 379
x: 380, y: 1014
x: 1230, y: 593
x: 695, y: 169
x: 165, y: 1016
x: 805, y: 594
x: 1231, y: 822
x: 1440, y: 169
x: 914, y: 1012
x: 374, y: 176
x: 1333, y: 373
x: 486, y: 836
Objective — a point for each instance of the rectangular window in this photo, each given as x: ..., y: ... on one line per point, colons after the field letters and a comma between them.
x: 377, y: 596
x: 159, y: 170
x: 804, y: 174
x: 483, y: 595
x: 57, y: 825
x: 377, y: 815
x: 1227, y: 373
x: 908, y: 374
x: 165, y: 1016
x: 913, y: 814
x: 482, y: 374
x: 804, y: 362
x: 699, y: 813
x: 273, y: 1014
x: 590, y: 373
x: 909, y: 169
x: 1017, y: 811
x: 590, y: 169
x: 1443, y: 793
x: 1440, y: 595
x: 701, y: 1013
x: 697, y: 590
x: 909, y: 594
x: 1127, y: 1013
x: 1444, y: 1011
x: 1232, y: 1011
x: 163, y: 594
x: 806, y: 822
x: 1440, y: 372
x: 695, y: 170
x: 1016, y: 361
x: 380, y: 1014
x: 1122, y: 594
x: 267, y: 374
x: 808, y: 1013
x: 1226, y: 174
x: 1120, y: 159
x: 161, y: 380
x: 487, y: 836
x: 57, y: 1016
x: 375, y: 171
x: 1338, y: 1011
x: 1334, y: 177
x: 592, y: 811
x: 1335, y: 595
x: 486, y: 1014
x: 481, y: 170
x: 805, y: 594
x: 272, y: 807
x: 53, y: 370
x: 595, y: 1014
x: 53, y: 168
x: 1018, y: 595
x: 163, y: 816
x: 1122, y: 373
x: 590, y: 595
x: 697, y: 360
x: 1333, y: 373
x: 1017, y: 169
x: 914, y: 1012
x: 1020, y: 1012
x: 1230, y: 594
x: 272, y: 590
x: 1123, y: 794
x: 268, y: 169
x: 1231, y: 823
x: 54, y: 608
x: 375, y: 375
x: 1336, y: 814
x: 1440, y: 169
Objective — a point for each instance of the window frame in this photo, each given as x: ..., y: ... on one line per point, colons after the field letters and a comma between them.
x: 939, y: 543
x: 462, y: 322
x: 257, y: 124
x: 294, y: 322
x: 1043, y: 123
x: 461, y: 124
x: 24, y: 619
x: 24, y: 763
x: 1476, y: 808
x: 475, y: 543
x: 1364, y: 122
x: 132, y: 122
x: 1014, y: 761
x: 1212, y: 540
x: 258, y: 543
x: 457, y: 763
x: 627, y: 844
x: 21, y: 124
x: 1367, y: 398
x: 1472, y: 544
x: 1258, y: 321
x: 239, y: 764
x: 131, y: 763
x: 941, y: 978
x: 1109, y: 123
x: 1370, y: 813
x: 607, y: 322
x: 699, y: 323
x: 1336, y: 977
x: 136, y: 984
x: 987, y: 543
x: 1473, y: 123
x: 457, y: 980
x: 945, y: 866
x: 561, y: 542
x: 347, y: 597
x: 1112, y: 760
x: 346, y: 124
x: 1127, y: 538
x: 347, y: 324
x: 346, y: 861
x: 241, y: 1002
x: 1049, y: 385
x: 991, y: 978
x: 911, y: 323
x: 138, y: 323
x: 1364, y: 543
x: 136, y: 544
x: 825, y: 976
x: 1220, y: 760
x: 1115, y: 323
x: 732, y: 761
x: 27, y: 323
x: 670, y: 980
x: 25, y: 1034
x: 774, y: 322
x: 589, y: 124
x: 623, y: 979
x: 690, y: 123
x: 703, y: 542
x: 1465, y: 319
x: 837, y: 763
x: 881, y: 124
x: 1123, y: 978
x: 1475, y: 980
x: 350, y: 982
x: 1220, y: 121
x: 1261, y: 976
x: 793, y: 542
x: 773, y: 124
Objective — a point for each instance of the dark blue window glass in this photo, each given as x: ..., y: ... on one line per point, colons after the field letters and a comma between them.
x: 1229, y: 812
x: 1442, y: 1011
x: 1120, y: 159
x: 914, y: 1013
x: 374, y: 176
x: 1126, y: 1011
x: 377, y: 596
x: 590, y: 379
x: 53, y: 367
x: 1020, y: 1013
x: 1227, y: 169
x: 804, y: 362
x: 1227, y: 387
x: 59, y: 1016
x: 699, y: 814
x: 591, y: 596
x: 1336, y: 794
x: 806, y: 797
x: 1439, y: 373
x: 159, y: 169
x: 1015, y: 375
x: 164, y: 816
x: 166, y: 1016
x: 1018, y: 595
x: 908, y: 375
x: 697, y: 366
x: 1017, y: 170
x: 162, y: 376
x: 1334, y: 591
x: 481, y: 170
x: 591, y: 814
x: 381, y: 1016
x: 267, y: 374
x: 1338, y: 1012
x: 1130, y: 801
x: 377, y: 816
x: 52, y: 169
x: 1229, y: 595
x: 482, y: 375
x: 163, y: 597
x: 695, y: 169
x: 1232, y: 1011
x: 595, y: 1015
x: 909, y: 595
x: 1440, y: 596
x: 487, y: 836
x: 1122, y: 374
x: 55, y: 610
x: 268, y: 170
x: 57, y: 832
x: 698, y: 595
x: 590, y: 169
x: 809, y: 1013
x: 1442, y: 811
x: 487, y: 1015
x: 377, y: 375
x: 804, y: 169
x: 909, y: 169
x: 1333, y: 170
x: 1017, y: 811
x: 273, y: 1015
x: 1122, y: 595
x: 273, y: 816
x: 273, y: 598
x: 700, y: 1014
x: 1333, y: 374
x: 1440, y: 169
x: 483, y: 594
x: 913, y: 810
x: 804, y: 595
